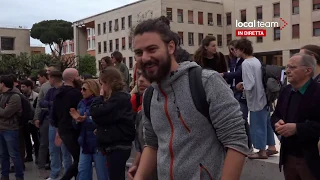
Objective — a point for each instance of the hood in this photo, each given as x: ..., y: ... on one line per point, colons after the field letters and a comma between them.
x: 63, y: 90
x: 182, y: 55
x: 173, y: 76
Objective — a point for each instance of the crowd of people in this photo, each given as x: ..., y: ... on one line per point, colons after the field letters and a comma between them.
x: 185, y: 116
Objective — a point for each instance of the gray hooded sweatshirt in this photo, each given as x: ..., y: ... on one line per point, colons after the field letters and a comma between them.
x: 188, y: 147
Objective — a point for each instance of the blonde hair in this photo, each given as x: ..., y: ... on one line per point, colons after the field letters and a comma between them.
x: 93, y: 86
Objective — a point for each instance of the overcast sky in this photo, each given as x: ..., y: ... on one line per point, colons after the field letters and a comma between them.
x: 27, y: 12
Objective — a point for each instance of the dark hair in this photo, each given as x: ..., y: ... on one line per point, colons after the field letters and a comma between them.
x: 165, y: 20
x: 87, y: 76
x: 27, y: 83
x: 43, y: 73
x: 245, y: 46
x: 159, y: 26
x: 107, y: 59
x: 113, y: 77
x: 201, y: 52
x: 14, y: 77
x: 33, y: 78
x: 7, y: 80
x: 232, y: 43
x: 118, y: 56
x: 313, y: 50
x: 56, y: 75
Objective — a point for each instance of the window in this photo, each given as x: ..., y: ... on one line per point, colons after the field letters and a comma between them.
x: 316, y: 4
x: 88, y: 32
x: 7, y: 43
x: 295, y: 31
x: 200, y: 18
x: 99, y: 29
x: 123, y: 43
x: 130, y: 42
x: 259, y: 13
x: 219, y: 20
x: 210, y: 19
x: 124, y: 61
x: 110, y: 26
x: 316, y: 28
x: 180, y: 16
x: 295, y: 6
x: 190, y: 39
x: 123, y: 23
x: 190, y: 17
x: 99, y: 47
x: 93, y: 43
x: 104, y: 28
x: 228, y: 18
x: 181, y: 37
x: 116, y: 25
x: 89, y: 44
x: 219, y: 40
x: 110, y: 46
x: 276, y: 10
x: 130, y: 21
x: 130, y: 62
x: 259, y: 39
x: 117, y: 44
x: 169, y: 13
x: 200, y: 38
x: 104, y: 46
x: 276, y: 33
x: 243, y: 14
x: 229, y: 38
x: 72, y: 47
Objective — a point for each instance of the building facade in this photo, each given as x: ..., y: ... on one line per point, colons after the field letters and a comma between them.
x: 37, y: 50
x: 194, y: 19
x: 14, y: 41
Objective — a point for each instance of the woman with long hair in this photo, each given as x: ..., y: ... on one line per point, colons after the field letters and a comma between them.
x: 105, y: 62
x: 112, y: 112
x: 208, y: 57
x: 87, y: 139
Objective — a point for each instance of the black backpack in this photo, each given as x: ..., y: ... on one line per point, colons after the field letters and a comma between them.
x: 271, y: 79
x: 198, y: 96
x: 27, y: 111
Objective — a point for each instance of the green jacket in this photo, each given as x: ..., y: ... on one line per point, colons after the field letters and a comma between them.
x: 10, y: 109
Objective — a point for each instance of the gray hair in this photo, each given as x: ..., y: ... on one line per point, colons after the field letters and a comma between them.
x: 308, y: 61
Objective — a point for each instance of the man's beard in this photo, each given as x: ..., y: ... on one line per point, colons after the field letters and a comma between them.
x: 77, y: 83
x: 164, y: 67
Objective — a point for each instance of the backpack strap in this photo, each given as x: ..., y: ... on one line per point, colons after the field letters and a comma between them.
x: 197, y: 91
x: 147, y: 101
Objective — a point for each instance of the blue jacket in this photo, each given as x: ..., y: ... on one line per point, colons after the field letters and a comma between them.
x: 48, y: 101
x: 235, y: 72
x: 87, y: 139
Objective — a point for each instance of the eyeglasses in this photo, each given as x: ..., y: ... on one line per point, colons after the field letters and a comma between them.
x: 84, y: 89
x: 231, y: 49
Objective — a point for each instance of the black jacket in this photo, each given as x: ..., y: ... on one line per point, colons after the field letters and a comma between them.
x: 115, y: 120
x: 66, y: 97
x: 235, y: 71
x: 308, y: 124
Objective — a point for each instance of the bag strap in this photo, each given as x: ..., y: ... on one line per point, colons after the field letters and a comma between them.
x: 147, y: 101
x: 138, y: 102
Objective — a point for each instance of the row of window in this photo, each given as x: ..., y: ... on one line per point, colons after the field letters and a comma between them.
x: 116, y: 25
x: 117, y: 45
x: 180, y: 17
x: 130, y: 62
x: 67, y: 48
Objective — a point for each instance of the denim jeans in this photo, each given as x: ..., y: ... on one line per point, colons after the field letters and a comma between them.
x: 9, y: 148
x: 85, y: 166
x: 55, y: 155
x: 260, y: 129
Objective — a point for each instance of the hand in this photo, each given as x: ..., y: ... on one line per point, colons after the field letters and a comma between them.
x: 37, y: 123
x: 239, y: 86
x: 95, y: 132
x: 132, y: 171
x: 279, y: 123
x: 221, y: 74
x: 76, y: 116
x: 287, y: 130
x: 102, y: 93
x: 58, y: 140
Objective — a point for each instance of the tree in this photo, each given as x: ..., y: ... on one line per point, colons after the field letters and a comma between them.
x: 51, y: 32
x: 13, y: 64
x: 87, y: 65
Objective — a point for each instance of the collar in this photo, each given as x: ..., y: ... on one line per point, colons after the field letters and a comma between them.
x: 304, y: 88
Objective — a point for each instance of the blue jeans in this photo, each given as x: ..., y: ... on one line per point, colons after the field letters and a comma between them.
x: 9, y: 148
x: 55, y: 155
x: 261, y: 130
x: 85, y: 166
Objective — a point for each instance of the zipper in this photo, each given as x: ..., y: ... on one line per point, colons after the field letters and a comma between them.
x: 172, y: 131
x: 202, y: 167
x: 182, y: 121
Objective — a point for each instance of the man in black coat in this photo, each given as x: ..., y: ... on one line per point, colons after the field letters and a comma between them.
x: 297, y: 120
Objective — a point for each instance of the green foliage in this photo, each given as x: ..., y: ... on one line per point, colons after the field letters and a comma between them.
x: 87, y: 65
x: 52, y: 32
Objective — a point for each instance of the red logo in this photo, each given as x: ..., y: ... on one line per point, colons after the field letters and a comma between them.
x: 251, y: 32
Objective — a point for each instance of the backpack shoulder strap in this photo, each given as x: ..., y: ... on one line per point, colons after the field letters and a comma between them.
x: 197, y: 91
x: 138, y: 103
x: 147, y: 101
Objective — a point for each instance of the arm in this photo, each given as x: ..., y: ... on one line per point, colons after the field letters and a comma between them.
x: 103, y: 111
x: 13, y: 106
x: 38, y: 108
x: 125, y: 73
x: 247, y: 76
x: 233, y: 75
x: 148, y: 161
x: 227, y: 120
x: 45, y: 102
